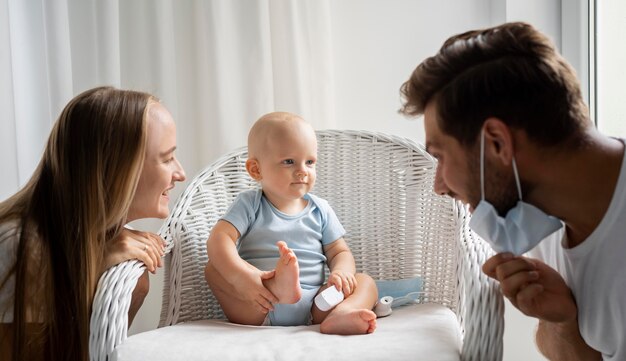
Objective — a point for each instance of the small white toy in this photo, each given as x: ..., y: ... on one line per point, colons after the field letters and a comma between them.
x: 328, y: 298
x: 383, y: 306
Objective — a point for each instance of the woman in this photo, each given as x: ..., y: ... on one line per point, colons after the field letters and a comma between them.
x: 109, y: 160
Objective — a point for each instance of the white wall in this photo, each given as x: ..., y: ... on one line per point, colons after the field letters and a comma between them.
x: 377, y: 44
x: 611, y: 66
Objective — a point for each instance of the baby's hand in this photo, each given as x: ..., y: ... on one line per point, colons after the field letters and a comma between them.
x: 343, y: 281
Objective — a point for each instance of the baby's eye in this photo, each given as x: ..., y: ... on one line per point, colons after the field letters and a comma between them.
x: 310, y: 162
x: 288, y: 161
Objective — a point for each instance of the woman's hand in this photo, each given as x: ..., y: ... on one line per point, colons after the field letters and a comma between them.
x: 131, y: 244
x: 250, y: 288
x: 343, y: 281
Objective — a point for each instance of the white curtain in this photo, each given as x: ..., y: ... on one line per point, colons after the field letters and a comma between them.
x: 217, y: 65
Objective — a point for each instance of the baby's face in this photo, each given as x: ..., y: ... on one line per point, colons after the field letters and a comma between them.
x: 288, y: 165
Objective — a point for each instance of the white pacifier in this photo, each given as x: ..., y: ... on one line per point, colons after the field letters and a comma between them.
x: 383, y: 306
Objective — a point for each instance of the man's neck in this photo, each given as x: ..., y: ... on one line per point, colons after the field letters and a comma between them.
x: 578, y: 186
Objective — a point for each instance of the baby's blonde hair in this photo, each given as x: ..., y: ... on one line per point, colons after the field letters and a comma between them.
x: 272, y: 125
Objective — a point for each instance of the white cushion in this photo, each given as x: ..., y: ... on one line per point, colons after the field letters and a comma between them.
x: 424, y: 332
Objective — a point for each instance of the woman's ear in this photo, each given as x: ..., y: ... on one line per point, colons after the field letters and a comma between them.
x: 253, y: 168
x: 498, y: 140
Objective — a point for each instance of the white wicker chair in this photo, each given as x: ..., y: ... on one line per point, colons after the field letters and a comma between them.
x: 381, y: 189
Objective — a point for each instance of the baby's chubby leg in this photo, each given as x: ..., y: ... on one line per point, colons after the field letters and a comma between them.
x: 236, y: 309
x: 354, y: 315
x: 286, y: 283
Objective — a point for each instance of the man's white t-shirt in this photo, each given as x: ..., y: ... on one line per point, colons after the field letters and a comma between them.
x: 595, y: 270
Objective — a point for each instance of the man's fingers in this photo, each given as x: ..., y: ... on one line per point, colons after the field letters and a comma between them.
x: 489, y: 268
x: 526, y: 298
x: 508, y: 269
x: 516, y: 282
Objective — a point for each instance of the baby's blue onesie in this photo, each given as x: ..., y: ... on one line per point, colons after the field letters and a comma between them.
x: 261, y: 225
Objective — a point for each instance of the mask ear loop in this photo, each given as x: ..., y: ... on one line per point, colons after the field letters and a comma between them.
x: 482, y: 165
x: 517, y: 183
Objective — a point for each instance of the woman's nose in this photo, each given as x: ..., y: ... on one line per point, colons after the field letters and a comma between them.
x: 179, y: 173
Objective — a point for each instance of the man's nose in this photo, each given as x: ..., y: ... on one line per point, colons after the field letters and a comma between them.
x: 440, y: 185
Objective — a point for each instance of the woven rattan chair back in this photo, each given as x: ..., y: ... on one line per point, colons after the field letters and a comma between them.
x: 381, y: 188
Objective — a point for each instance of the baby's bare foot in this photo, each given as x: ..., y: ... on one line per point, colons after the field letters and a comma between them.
x: 286, y: 283
x: 349, y: 322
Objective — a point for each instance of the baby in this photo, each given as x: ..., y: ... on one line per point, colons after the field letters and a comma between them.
x: 267, y: 253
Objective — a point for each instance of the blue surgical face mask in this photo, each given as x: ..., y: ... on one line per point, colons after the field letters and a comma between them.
x: 524, y: 225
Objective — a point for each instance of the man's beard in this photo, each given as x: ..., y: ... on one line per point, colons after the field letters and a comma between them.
x: 500, y: 187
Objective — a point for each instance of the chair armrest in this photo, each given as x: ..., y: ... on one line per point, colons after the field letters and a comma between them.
x: 109, y: 316
x: 481, y: 305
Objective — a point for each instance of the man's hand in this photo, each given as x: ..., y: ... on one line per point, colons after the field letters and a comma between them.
x: 533, y: 287
x: 539, y: 291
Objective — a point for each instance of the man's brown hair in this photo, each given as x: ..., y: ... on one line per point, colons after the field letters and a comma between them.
x: 511, y: 72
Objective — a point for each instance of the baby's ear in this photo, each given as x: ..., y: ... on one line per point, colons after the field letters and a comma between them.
x: 252, y: 166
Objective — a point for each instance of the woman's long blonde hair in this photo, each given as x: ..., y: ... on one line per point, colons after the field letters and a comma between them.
x: 77, y: 199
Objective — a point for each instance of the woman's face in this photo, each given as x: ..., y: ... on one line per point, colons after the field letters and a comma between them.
x: 160, y: 170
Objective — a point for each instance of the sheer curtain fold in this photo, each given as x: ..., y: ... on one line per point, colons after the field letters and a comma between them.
x: 8, y: 139
x: 35, y: 71
x: 58, y: 57
x: 95, y: 43
x: 301, y: 43
x: 217, y: 65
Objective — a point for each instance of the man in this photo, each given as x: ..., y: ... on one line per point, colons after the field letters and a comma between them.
x: 507, y: 88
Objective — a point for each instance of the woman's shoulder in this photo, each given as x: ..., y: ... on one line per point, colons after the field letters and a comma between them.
x: 9, y: 230
x: 9, y: 236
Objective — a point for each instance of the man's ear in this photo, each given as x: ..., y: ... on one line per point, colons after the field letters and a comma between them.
x: 498, y: 140
x: 253, y: 168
